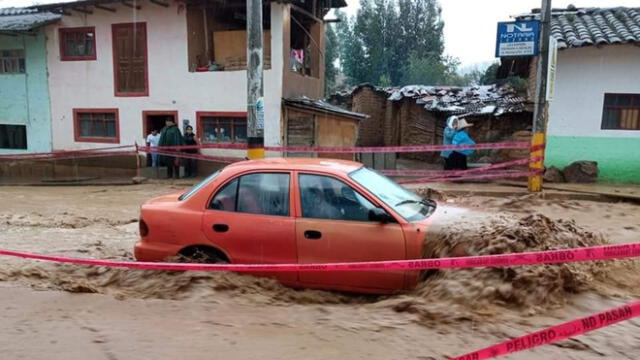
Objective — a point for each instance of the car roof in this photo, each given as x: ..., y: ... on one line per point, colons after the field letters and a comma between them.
x: 295, y: 163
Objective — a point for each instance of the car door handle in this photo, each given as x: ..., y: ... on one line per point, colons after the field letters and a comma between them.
x: 312, y: 235
x: 220, y: 227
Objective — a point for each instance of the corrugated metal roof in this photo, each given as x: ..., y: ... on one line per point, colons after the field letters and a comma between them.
x: 321, y: 106
x: 20, y: 19
x: 578, y: 27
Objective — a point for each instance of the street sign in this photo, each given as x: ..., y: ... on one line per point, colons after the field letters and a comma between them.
x: 553, y: 67
x: 519, y: 38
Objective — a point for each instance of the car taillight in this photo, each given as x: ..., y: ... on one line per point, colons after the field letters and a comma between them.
x: 144, y: 229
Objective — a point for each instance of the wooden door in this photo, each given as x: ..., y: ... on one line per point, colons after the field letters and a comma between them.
x: 130, y: 59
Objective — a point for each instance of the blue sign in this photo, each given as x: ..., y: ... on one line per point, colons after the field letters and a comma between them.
x: 518, y: 38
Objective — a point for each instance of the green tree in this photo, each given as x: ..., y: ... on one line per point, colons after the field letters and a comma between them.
x: 331, y: 54
x: 392, y: 41
x: 490, y: 75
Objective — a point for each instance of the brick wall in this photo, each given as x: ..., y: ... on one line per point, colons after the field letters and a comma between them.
x: 370, y: 102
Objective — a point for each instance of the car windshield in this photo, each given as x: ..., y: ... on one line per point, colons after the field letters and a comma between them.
x: 409, y: 205
x: 198, y: 186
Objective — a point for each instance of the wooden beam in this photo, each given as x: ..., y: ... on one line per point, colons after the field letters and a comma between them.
x: 83, y: 10
x: 105, y: 8
x: 128, y: 4
x: 305, y: 12
x: 159, y: 2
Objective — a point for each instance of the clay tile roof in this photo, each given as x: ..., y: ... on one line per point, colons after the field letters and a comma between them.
x: 21, y: 19
x: 577, y: 27
x: 485, y: 100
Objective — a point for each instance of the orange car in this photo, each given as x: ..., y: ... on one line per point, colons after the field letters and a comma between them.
x: 293, y: 210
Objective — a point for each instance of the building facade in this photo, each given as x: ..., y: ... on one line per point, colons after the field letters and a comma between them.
x: 595, y: 112
x: 115, y: 70
x: 25, y: 121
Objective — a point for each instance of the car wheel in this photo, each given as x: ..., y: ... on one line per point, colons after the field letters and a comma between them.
x: 203, y: 255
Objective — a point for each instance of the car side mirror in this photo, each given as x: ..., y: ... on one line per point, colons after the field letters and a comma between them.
x: 379, y: 215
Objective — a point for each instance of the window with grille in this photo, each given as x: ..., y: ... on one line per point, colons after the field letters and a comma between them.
x: 621, y: 112
x: 12, y: 61
x: 96, y: 125
x: 13, y: 137
x: 223, y: 127
x: 77, y: 43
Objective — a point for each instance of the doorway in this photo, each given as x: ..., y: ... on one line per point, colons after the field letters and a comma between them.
x: 155, y: 120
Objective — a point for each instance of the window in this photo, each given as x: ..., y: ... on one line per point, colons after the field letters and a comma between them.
x: 130, y: 59
x: 324, y: 197
x: 199, y: 186
x: 217, y: 36
x: 409, y: 205
x: 12, y: 61
x: 621, y: 112
x: 13, y: 137
x: 264, y: 194
x: 96, y: 125
x: 77, y: 43
x: 304, y: 48
x: 222, y: 127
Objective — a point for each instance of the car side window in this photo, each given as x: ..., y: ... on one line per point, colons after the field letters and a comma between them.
x: 324, y: 197
x: 225, y: 199
x: 262, y: 193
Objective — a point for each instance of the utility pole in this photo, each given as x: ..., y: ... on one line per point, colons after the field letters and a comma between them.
x: 255, y: 87
x: 541, y: 110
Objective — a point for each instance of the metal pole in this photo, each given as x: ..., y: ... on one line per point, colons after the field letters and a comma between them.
x: 540, y: 113
x: 255, y: 88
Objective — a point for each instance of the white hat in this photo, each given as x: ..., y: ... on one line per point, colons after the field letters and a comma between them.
x: 462, y: 123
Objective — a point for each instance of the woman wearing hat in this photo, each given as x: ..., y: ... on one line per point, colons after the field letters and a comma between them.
x: 447, y: 139
x: 458, y: 158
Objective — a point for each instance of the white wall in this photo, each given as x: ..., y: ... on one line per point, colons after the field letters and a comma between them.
x: 584, y: 76
x: 89, y: 84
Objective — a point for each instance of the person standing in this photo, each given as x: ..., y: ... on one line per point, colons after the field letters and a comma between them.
x: 447, y: 139
x: 458, y: 158
x: 152, y: 141
x: 170, y: 136
x: 190, y: 165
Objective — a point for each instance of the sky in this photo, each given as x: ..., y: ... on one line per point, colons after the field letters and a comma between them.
x: 470, y: 25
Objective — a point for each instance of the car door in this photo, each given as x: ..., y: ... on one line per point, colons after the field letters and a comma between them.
x: 334, y: 226
x: 250, y: 218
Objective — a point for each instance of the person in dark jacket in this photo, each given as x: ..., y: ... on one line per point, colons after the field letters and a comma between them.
x: 170, y: 136
x: 190, y: 165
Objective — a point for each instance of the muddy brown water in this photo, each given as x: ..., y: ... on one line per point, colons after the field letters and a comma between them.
x: 101, y: 223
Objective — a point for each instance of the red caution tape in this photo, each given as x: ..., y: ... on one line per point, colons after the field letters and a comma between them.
x: 557, y: 333
x: 183, y: 155
x: 518, y: 259
x: 356, y: 149
x: 493, y: 175
x: 443, y: 173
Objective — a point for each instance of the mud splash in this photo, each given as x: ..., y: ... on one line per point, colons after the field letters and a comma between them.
x: 468, y: 293
x: 149, y: 284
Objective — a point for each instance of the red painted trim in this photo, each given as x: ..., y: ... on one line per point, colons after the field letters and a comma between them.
x: 63, y: 43
x: 76, y: 126
x: 201, y: 114
x: 142, y: 26
x: 147, y: 113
